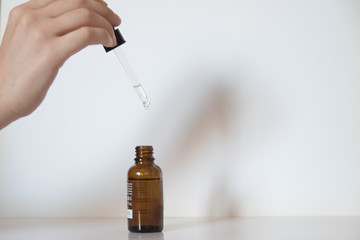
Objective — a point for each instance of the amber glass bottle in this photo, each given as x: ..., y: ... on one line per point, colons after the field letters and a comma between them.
x: 145, y: 193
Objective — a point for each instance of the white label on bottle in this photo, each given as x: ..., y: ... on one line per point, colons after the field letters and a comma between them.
x: 129, y: 214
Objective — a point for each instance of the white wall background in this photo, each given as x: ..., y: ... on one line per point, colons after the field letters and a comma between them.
x: 254, y: 112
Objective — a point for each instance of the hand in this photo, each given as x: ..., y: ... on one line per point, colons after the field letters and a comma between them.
x: 40, y: 36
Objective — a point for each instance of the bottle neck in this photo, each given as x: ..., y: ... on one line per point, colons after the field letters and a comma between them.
x: 144, y: 162
x: 144, y: 155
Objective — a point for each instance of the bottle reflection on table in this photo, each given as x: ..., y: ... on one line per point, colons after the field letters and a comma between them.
x: 147, y: 236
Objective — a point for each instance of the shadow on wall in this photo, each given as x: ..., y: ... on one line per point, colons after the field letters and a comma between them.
x: 207, y: 109
x: 197, y: 124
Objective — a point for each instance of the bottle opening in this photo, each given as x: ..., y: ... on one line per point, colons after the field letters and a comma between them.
x: 144, y: 152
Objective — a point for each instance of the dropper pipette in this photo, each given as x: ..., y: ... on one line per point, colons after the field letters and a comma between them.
x: 128, y: 70
x: 131, y: 75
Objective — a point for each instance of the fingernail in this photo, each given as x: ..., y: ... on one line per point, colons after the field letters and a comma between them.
x: 114, y: 40
x: 110, y: 42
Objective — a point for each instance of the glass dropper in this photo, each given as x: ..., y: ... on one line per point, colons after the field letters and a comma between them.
x: 132, y: 77
x: 128, y: 70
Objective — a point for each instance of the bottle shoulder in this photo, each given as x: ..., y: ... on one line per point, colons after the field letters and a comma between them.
x: 158, y: 168
x: 144, y: 171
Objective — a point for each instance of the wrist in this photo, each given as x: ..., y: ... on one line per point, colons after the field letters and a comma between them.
x: 6, y: 114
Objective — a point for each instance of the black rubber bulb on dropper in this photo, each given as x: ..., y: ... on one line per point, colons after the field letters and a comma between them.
x: 119, y: 40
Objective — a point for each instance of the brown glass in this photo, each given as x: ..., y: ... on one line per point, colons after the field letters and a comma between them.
x: 145, y: 193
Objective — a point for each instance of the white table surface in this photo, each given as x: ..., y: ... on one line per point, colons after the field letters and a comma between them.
x: 289, y: 228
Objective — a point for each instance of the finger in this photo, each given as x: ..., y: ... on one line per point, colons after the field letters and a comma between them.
x: 36, y: 4
x: 79, y: 18
x: 73, y: 42
x: 103, y: 2
x: 60, y: 7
